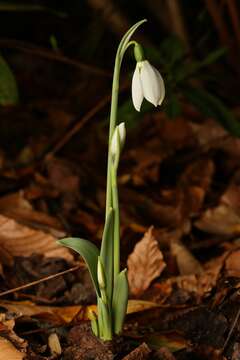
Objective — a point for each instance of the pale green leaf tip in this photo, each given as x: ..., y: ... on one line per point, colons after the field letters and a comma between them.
x: 60, y: 242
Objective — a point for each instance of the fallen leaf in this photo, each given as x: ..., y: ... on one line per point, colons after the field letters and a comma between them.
x: 141, y: 352
x: 187, y: 263
x: 145, y: 263
x: 236, y: 351
x: 63, y: 176
x: 8, y: 351
x: 195, y: 284
x: 63, y: 314
x: 20, y: 240
x: 221, y: 220
x: 171, y: 341
x: 66, y: 314
x: 7, y: 332
x: 211, y: 135
x: 195, y: 181
x: 140, y: 305
x: 231, y: 196
x: 17, y: 207
x: 232, y: 264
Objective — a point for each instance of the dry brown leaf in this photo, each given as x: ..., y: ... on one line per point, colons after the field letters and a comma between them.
x: 231, y: 196
x: 20, y: 240
x: 221, y: 220
x: 145, y: 263
x: 11, y: 345
x: 17, y: 207
x: 187, y: 263
x: 7, y: 332
x: 8, y: 351
x: 195, y: 181
x: 232, y: 264
x: 140, y: 305
x: 65, y: 314
x: 200, y: 285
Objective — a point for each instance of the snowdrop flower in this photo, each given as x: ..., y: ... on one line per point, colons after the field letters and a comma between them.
x: 118, y: 138
x: 147, y: 83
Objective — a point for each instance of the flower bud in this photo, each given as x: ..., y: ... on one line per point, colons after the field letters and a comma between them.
x: 118, y: 138
x: 101, y: 274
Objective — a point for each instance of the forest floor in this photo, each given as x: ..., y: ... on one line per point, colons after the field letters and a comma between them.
x: 179, y: 188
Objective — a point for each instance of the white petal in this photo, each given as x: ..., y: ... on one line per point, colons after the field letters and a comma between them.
x: 137, y: 91
x: 150, y: 83
x: 161, y: 84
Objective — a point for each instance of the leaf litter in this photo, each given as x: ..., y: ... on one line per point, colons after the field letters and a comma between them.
x: 182, y: 179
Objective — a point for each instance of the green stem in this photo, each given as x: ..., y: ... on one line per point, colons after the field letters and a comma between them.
x: 125, y: 42
x: 113, y: 121
x: 116, y: 232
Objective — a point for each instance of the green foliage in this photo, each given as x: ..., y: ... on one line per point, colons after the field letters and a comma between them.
x: 211, y: 106
x: 15, y: 6
x: 173, y: 107
x: 8, y: 86
x: 89, y: 252
x: 120, y: 300
x: 106, y: 253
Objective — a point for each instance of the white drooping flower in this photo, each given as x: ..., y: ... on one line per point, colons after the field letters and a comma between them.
x: 118, y: 138
x: 147, y: 83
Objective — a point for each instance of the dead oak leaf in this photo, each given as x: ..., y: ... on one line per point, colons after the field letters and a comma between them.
x: 65, y: 314
x: 21, y: 240
x: 221, y: 220
x: 7, y: 332
x: 187, y: 263
x: 145, y: 263
x: 232, y: 264
x: 8, y: 351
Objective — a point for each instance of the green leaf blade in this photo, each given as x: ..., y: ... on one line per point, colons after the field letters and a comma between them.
x: 105, y: 320
x: 212, y: 106
x: 106, y: 253
x: 120, y: 301
x: 8, y: 85
x: 89, y: 252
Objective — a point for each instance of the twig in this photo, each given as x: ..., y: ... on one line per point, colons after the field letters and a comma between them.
x: 50, y: 277
x: 51, y: 55
x: 233, y: 12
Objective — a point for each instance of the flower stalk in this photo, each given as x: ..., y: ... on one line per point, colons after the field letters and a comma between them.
x: 111, y: 284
